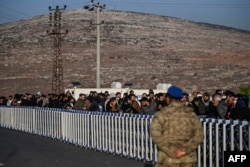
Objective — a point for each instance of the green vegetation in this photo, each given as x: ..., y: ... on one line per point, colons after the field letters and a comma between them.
x: 245, y: 90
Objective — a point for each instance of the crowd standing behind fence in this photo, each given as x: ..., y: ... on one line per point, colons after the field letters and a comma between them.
x: 221, y: 104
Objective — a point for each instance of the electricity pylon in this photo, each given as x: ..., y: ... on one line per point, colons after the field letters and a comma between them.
x: 57, y: 60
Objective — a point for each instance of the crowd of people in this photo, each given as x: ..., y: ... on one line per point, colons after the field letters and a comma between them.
x: 221, y: 104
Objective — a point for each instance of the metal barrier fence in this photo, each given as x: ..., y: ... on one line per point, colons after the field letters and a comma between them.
x: 122, y: 134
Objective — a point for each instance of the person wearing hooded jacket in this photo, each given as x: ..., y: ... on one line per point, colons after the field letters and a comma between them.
x: 241, y: 110
x: 177, y: 132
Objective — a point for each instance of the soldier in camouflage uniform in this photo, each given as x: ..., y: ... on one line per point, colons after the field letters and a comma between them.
x: 177, y: 132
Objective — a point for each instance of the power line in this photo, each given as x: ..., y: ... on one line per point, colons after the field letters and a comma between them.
x: 11, y: 14
x: 167, y: 4
x: 15, y: 11
x: 8, y: 16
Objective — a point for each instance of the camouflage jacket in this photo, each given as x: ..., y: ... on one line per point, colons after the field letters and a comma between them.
x: 176, y: 126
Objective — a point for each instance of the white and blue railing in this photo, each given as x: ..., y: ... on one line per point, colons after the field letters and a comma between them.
x: 122, y: 134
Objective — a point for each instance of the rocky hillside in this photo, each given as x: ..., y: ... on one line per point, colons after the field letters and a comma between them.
x: 135, y: 48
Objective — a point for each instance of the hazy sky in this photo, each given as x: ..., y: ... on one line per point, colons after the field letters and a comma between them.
x: 232, y: 13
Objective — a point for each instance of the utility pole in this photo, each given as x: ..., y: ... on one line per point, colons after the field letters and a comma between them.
x: 57, y: 69
x: 98, y: 7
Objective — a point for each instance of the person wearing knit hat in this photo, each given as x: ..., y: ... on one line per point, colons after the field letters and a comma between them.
x: 175, y: 92
x: 177, y: 132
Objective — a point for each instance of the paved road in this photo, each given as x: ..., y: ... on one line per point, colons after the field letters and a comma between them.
x: 19, y: 149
